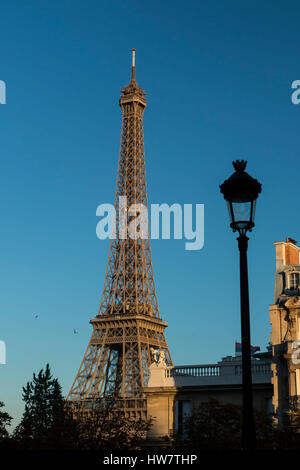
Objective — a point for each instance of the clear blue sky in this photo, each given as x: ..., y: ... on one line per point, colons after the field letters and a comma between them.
x: 218, y: 79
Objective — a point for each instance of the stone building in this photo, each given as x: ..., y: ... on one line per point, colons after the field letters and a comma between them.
x: 174, y: 392
x: 285, y: 335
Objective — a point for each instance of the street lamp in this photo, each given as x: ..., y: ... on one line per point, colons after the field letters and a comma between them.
x: 241, y: 191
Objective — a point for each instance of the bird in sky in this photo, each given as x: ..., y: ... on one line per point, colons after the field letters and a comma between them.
x: 36, y: 316
x: 75, y: 331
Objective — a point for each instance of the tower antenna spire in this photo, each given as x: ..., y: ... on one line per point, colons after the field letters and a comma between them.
x: 133, y: 65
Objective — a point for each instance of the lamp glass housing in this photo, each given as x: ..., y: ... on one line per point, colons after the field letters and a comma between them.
x: 241, y: 214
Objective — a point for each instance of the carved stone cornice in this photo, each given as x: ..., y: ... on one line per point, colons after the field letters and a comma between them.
x: 293, y: 302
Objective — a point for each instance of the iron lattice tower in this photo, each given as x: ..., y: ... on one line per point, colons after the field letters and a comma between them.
x: 128, y: 323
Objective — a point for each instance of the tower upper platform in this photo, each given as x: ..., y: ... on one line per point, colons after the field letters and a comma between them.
x: 132, y: 92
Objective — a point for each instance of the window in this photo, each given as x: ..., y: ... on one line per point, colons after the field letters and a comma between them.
x: 183, y: 412
x: 294, y: 281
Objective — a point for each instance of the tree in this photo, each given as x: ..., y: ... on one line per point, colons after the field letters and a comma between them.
x: 106, y: 427
x: 64, y: 432
x: 218, y: 426
x: 5, y: 420
x: 49, y: 422
x: 43, y: 403
x: 214, y: 426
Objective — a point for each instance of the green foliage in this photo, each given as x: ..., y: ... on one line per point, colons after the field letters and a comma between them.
x: 218, y: 426
x: 5, y: 420
x: 49, y: 422
x: 43, y: 404
x: 105, y: 427
x: 214, y: 426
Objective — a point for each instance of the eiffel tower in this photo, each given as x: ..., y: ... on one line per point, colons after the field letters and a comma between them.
x: 128, y: 330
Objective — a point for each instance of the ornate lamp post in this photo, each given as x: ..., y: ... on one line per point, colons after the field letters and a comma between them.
x: 241, y: 191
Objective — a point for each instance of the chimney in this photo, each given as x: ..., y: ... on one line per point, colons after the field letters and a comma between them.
x: 287, y: 253
x: 291, y: 240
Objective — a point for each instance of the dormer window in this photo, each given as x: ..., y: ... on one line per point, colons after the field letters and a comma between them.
x: 294, y: 281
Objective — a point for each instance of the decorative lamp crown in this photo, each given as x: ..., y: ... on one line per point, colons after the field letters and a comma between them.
x: 239, y: 165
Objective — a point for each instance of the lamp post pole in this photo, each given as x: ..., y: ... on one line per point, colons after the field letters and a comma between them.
x: 241, y: 192
x: 248, y: 428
